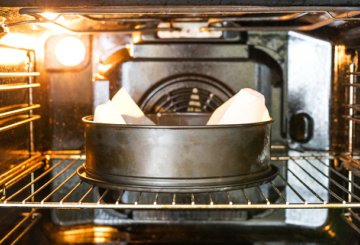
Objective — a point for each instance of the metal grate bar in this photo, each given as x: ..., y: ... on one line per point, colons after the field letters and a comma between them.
x: 102, y: 196
x: 19, y: 74
x: 86, y: 194
x: 71, y: 192
x: 138, y: 196
x: 352, y: 73
x: 192, y: 199
x: 354, y: 215
x: 22, y: 175
x: 350, y: 163
x: 317, y: 181
x: 31, y: 215
x: 333, y: 181
x: 174, y: 199
x: 229, y: 198
x: 70, y: 183
x: 18, y: 169
x: 245, y: 196
x: 307, y: 187
x: 49, y: 181
x: 279, y: 193
x: 339, y: 174
x: 13, y: 110
x: 355, y: 85
x: 58, y: 187
x: 351, y: 118
x: 156, y: 198
x: 319, y: 155
x: 36, y: 217
x: 355, y: 107
x: 119, y: 198
x: 293, y: 189
x: 23, y: 120
x: 35, y: 180
x: 263, y: 195
x: 76, y: 205
x: 349, y: 220
x: 211, y: 199
x: 13, y: 86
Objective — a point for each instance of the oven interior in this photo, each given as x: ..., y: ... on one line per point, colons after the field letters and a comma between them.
x: 58, y: 63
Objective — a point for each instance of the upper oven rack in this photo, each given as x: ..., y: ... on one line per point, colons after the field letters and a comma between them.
x: 306, y: 187
x: 20, y: 114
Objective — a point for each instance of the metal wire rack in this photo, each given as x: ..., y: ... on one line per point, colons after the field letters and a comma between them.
x: 351, y: 120
x: 304, y: 182
x: 26, y: 222
x: 13, y: 116
x: 20, y: 114
x: 351, y: 217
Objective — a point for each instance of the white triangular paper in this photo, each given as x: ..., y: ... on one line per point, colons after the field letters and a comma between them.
x: 247, y: 106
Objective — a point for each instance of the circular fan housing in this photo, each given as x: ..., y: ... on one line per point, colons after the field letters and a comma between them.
x: 186, y: 93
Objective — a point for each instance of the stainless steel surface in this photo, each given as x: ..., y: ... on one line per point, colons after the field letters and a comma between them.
x: 305, y: 194
x: 309, y: 87
x: 177, y: 158
x: 140, y: 76
x: 301, y: 28
x: 191, y: 51
x: 128, y: 30
x: 282, y: 17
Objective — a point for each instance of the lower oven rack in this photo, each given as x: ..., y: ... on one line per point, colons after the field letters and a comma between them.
x: 24, y: 224
x: 303, y: 181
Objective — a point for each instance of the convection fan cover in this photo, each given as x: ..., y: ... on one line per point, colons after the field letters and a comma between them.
x: 186, y: 93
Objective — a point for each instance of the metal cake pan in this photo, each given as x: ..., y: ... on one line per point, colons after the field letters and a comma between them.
x: 177, y: 158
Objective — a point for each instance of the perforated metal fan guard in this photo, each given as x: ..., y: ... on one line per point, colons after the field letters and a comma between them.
x: 186, y: 93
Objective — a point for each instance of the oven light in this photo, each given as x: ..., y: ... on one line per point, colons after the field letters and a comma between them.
x: 70, y: 51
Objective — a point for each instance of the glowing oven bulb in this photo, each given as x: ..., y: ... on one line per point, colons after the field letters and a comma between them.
x: 70, y: 51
